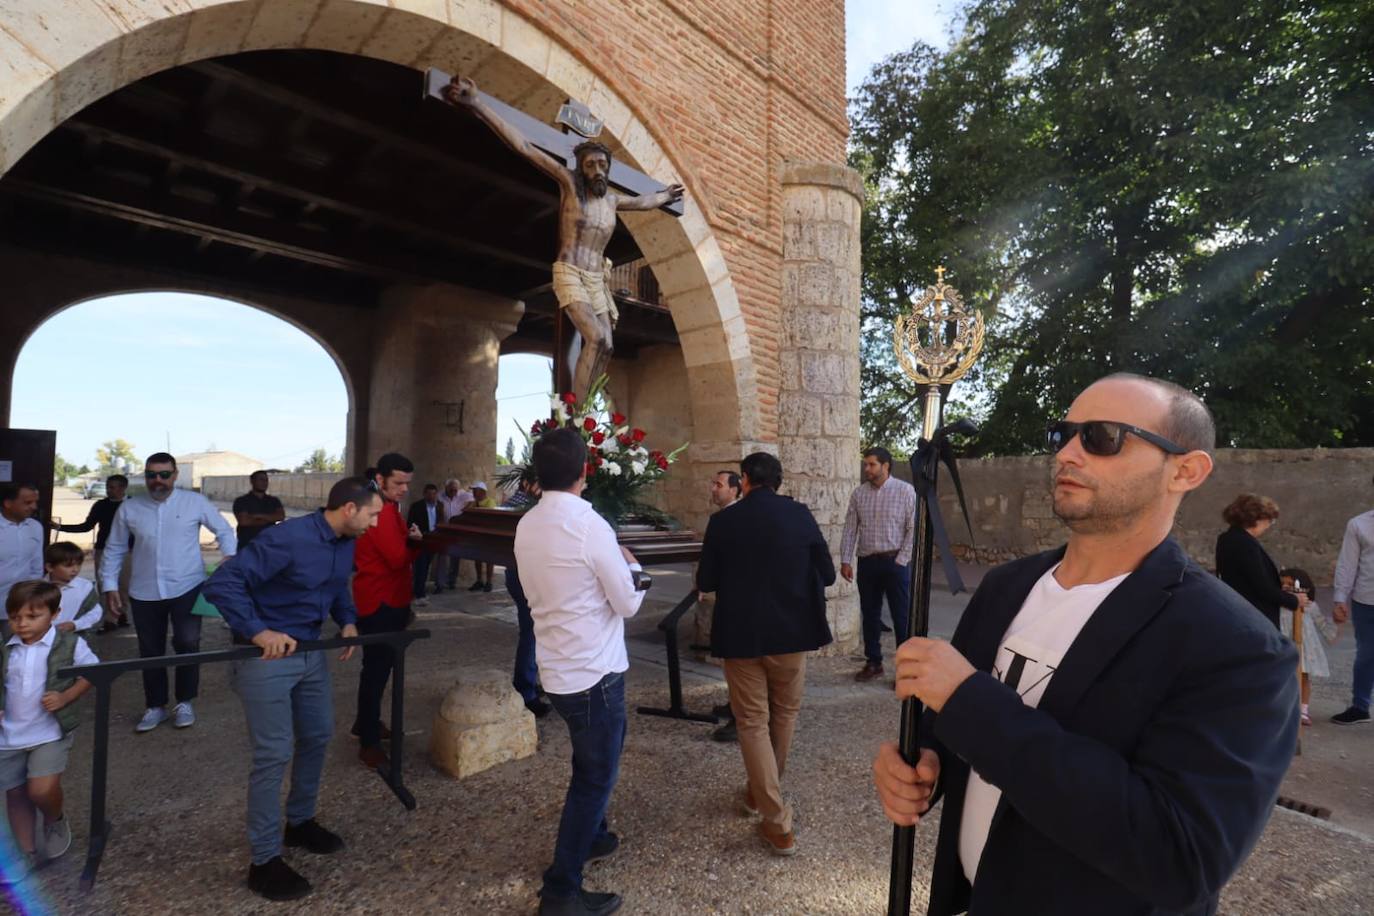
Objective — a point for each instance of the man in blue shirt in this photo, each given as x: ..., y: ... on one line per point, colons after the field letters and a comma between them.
x: 278, y: 590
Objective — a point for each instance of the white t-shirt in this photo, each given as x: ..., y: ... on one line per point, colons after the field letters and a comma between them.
x: 1032, y: 648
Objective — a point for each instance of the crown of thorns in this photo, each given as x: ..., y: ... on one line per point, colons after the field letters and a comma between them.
x: 587, y: 147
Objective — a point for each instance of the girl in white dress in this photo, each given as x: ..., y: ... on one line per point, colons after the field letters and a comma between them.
x: 1316, y: 627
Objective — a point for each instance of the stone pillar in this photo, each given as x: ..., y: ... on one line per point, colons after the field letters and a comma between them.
x: 482, y: 722
x: 818, y: 404
x: 437, y: 347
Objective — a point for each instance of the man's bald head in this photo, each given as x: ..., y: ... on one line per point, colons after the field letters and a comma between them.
x: 1184, y: 419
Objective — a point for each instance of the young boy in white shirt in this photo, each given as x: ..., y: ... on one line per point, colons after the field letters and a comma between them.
x: 80, y: 601
x: 37, y: 721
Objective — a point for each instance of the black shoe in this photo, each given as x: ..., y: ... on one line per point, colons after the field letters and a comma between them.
x: 1352, y: 716
x: 726, y: 733
x: 604, y: 847
x: 314, y: 838
x: 722, y: 711
x: 384, y: 732
x: 276, y: 880
x: 475, y: 587
x: 585, y: 903
x: 486, y: 587
x: 538, y: 707
x: 885, y: 628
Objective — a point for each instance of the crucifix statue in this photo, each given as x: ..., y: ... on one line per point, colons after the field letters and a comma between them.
x: 588, y: 204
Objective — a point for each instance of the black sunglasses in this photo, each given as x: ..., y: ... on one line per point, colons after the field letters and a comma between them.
x: 1104, y: 437
x: 160, y: 475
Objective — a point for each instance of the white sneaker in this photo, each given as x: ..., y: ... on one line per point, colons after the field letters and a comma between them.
x: 57, y: 838
x: 421, y: 602
x: 154, y: 717
x: 183, y: 716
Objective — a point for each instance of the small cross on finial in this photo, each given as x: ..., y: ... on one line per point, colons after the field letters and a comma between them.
x: 940, y: 274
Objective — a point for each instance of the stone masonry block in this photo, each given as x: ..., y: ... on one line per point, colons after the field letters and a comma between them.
x: 343, y: 25
x: 216, y: 31
x: 481, y: 18
x: 524, y: 41
x: 823, y: 372
x: 281, y: 25
x: 28, y: 98
x: 799, y: 415
x: 482, y: 722
x: 405, y: 34
x: 569, y: 74
x: 153, y: 48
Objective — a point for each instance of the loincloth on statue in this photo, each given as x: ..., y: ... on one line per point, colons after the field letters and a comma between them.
x: 573, y: 284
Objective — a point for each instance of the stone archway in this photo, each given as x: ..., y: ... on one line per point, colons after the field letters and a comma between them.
x: 60, y: 55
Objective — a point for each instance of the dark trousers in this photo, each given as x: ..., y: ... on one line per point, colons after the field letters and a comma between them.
x: 151, y: 619
x: 1362, y: 679
x: 596, y: 724
x: 377, y: 664
x: 526, y: 678
x: 421, y: 564
x: 882, y: 577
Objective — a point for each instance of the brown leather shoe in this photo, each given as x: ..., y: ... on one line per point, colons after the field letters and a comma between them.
x: 372, y: 757
x: 779, y: 844
x: 870, y: 671
x: 747, y: 805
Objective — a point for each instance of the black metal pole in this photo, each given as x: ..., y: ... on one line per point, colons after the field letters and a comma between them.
x: 394, y: 775
x: 100, y: 828
x: 917, y: 624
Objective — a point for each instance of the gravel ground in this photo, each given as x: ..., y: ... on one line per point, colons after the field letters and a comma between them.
x: 480, y: 845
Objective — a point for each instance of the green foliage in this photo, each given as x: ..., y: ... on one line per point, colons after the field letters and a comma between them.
x: 321, y: 462
x: 510, y: 450
x: 1182, y: 189
x: 63, y: 470
x: 117, y: 456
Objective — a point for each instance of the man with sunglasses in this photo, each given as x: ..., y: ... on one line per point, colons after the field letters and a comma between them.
x: 165, y: 578
x: 1109, y: 725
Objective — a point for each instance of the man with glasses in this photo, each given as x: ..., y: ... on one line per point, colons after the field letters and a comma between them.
x: 1110, y: 724
x: 165, y: 578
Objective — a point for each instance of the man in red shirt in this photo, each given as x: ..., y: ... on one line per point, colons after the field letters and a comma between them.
x: 382, y: 591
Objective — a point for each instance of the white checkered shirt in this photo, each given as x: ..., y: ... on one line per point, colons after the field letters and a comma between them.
x: 880, y: 520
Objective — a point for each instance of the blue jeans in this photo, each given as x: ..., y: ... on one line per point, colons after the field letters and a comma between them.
x: 526, y: 678
x: 290, y: 711
x: 882, y: 577
x: 1362, y: 616
x: 596, y: 724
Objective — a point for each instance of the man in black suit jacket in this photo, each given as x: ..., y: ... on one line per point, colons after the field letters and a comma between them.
x: 769, y: 565
x: 1134, y: 772
x: 426, y: 514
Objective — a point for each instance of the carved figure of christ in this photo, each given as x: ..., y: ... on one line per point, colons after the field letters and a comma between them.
x: 586, y: 221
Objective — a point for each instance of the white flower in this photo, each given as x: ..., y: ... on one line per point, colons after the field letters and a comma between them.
x: 640, y: 452
x: 622, y: 430
x: 610, y: 447
x: 637, y: 467
x: 612, y: 468
x: 560, y: 412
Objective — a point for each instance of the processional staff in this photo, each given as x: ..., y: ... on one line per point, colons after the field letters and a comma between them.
x: 935, y: 347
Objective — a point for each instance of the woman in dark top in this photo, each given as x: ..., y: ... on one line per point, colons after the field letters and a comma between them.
x: 1243, y: 564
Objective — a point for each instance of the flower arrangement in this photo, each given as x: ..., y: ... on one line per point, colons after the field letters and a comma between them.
x: 619, y: 464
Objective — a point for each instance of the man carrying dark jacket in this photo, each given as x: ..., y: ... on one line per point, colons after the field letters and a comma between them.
x: 1109, y: 726
x: 768, y: 564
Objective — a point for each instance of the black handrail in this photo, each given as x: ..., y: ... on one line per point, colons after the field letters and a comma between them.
x: 103, y: 674
x: 675, y: 708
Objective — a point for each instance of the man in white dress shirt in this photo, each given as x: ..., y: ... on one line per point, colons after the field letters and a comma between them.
x: 581, y: 586
x: 165, y: 579
x: 21, y: 541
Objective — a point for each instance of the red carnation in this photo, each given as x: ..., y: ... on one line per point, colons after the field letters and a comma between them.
x: 550, y: 424
x: 598, y: 437
x: 637, y: 434
x: 569, y: 398
x: 623, y: 439
x: 617, y: 419
x: 662, y: 463
x: 589, y: 424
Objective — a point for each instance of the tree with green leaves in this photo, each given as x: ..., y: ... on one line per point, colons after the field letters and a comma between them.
x: 63, y: 471
x: 321, y: 462
x: 117, y: 456
x: 1181, y: 189
x: 510, y: 450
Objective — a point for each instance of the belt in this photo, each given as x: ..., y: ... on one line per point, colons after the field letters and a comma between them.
x: 885, y: 554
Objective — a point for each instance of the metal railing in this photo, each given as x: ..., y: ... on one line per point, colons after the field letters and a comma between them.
x: 675, y: 708
x: 103, y: 675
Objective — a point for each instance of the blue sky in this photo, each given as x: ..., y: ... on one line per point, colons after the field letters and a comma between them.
x: 209, y: 373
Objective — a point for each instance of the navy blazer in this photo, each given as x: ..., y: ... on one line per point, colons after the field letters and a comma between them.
x: 768, y: 563
x: 1147, y: 773
x: 1243, y: 564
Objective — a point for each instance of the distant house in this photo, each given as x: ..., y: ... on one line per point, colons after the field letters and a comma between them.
x: 197, y: 465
